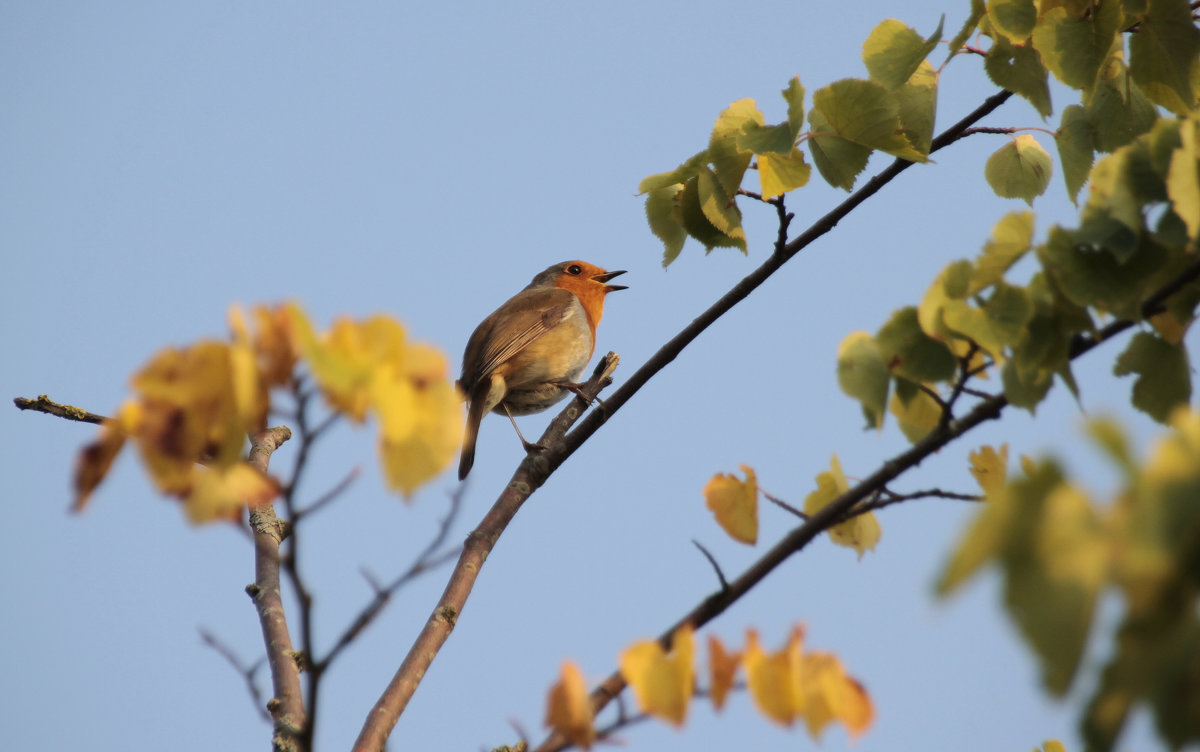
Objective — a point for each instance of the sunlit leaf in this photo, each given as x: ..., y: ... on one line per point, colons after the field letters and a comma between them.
x: 569, y: 708
x: 661, y: 683
x: 735, y: 504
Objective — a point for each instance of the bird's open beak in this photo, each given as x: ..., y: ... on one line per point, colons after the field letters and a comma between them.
x: 607, y: 276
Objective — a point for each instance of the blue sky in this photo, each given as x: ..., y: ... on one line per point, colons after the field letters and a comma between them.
x: 162, y: 161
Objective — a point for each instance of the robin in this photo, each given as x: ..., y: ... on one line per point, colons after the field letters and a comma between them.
x: 530, y: 352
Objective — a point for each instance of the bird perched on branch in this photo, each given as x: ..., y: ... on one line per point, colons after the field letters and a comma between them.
x: 529, y: 353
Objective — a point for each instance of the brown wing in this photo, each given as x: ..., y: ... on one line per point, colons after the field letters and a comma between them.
x: 523, y: 321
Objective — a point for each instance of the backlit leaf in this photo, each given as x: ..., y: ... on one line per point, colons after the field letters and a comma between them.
x: 866, y: 113
x: 780, y: 174
x: 662, y: 213
x: 1020, y: 169
x: 1163, y: 374
x: 863, y: 375
x: 893, y: 51
x: 1164, y: 55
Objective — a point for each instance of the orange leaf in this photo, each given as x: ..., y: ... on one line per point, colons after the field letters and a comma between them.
x: 661, y: 683
x: 735, y: 504
x: 569, y: 709
x: 95, y: 459
x: 722, y: 667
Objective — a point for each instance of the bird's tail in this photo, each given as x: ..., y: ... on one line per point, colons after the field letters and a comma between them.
x: 474, y: 416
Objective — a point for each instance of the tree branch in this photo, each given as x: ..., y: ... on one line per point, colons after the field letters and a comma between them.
x: 529, y: 476
x: 287, y: 704
x: 536, y: 467
x: 844, y: 505
x: 43, y: 404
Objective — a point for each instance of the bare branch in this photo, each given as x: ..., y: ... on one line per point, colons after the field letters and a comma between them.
x: 530, y: 474
x: 784, y: 505
x: 426, y: 561
x: 43, y: 404
x: 287, y: 704
x: 246, y: 672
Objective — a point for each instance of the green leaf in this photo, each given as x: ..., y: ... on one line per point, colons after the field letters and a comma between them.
x: 1164, y: 55
x: 680, y: 174
x: 1118, y: 110
x: 1091, y: 277
x: 729, y: 161
x: 1052, y: 548
x: 863, y: 375
x: 1075, y: 45
x: 909, y: 352
x: 1019, y: 69
x: 777, y: 139
x: 794, y: 96
x: 918, y: 106
x: 866, y: 113
x: 1074, y: 140
x: 1025, y: 389
x: 917, y: 413
x: 997, y: 324
x: 662, y: 212
x: 1183, y: 178
x: 1163, y: 374
x: 1012, y: 18
x: 839, y: 161
x: 1020, y: 169
x: 893, y: 51
x: 1011, y: 238
x: 719, y: 207
x: 780, y: 174
x: 692, y: 217
x: 978, y: 9
x: 956, y: 279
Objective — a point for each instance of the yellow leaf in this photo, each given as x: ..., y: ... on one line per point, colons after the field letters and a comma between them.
x: 771, y: 677
x: 735, y: 504
x: 433, y: 442
x: 569, y: 709
x: 1053, y: 745
x: 916, y: 417
x: 831, y: 696
x: 222, y: 493
x: 990, y: 468
x: 722, y: 668
x: 862, y: 532
x: 661, y: 683
x: 273, y: 346
x: 187, y: 412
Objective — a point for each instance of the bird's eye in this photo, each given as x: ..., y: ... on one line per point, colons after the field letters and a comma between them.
x: 575, y: 269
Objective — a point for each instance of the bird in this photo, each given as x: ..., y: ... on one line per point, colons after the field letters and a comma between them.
x: 529, y: 353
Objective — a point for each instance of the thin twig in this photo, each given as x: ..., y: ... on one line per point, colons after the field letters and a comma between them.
x: 427, y: 560
x: 43, y: 404
x: 328, y: 496
x: 784, y: 505
x: 246, y: 672
x: 713, y: 561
